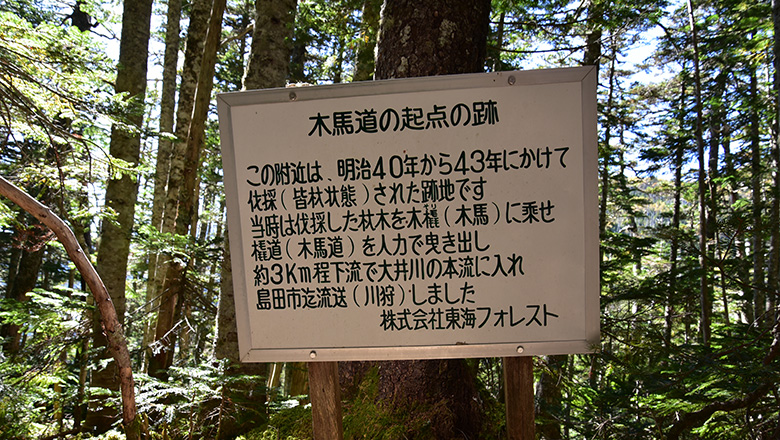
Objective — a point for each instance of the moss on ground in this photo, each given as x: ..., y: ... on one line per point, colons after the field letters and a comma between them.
x: 367, y: 417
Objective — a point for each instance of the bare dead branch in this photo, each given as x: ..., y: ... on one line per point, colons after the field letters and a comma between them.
x: 113, y: 330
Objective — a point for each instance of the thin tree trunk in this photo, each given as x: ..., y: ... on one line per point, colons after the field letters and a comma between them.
x: 196, y: 36
x: 274, y: 379
x: 704, y: 288
x: 592, y: 57
x: 193, y: 56
x: 549, y: 397
x: 298, y: 59
x: 338, y: 66
x: 593, y: 37
x: 175, y: 276
x: 24, y: 280
x: 364, y: 60
x: 728, y: 163
x: 757, y: 172
x: 121, y: 195
x: 716, y: 123
x: 774, y: 256
x: 675, y: 245
x: 606, y: 154
x: 14, y: 257
x: 82, y: 360
x: 494, y: 53
x: 164, y: 149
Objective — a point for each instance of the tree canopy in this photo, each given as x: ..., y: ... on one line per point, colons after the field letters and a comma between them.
x: 689, y: 214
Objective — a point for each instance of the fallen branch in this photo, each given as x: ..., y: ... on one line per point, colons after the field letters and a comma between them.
x: 117, y: 344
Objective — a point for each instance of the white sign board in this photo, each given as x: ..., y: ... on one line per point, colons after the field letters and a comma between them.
x: 437, y: 217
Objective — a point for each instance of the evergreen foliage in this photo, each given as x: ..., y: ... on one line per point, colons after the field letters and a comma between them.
x: 653, y: 377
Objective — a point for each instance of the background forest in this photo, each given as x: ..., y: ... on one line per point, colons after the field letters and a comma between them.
x: 106, y: 117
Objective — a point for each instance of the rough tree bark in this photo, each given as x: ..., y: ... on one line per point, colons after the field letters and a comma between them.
x: 196, y: 36
x: 269, y: 57
x: 121, y: 193
x: 269, y: 74
x: 164, y: 149
x: 268, y: 67
x: 424, y: 39
x: 175, y: 276
x: 433, y: 38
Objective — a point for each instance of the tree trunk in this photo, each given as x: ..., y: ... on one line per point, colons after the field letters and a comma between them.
x: 704, y: 284
x: 250, y: 391
x: 369, y: 26
x: 774, y: 225
x: 338, y: 66
x: 274, y: 381
x: 548, y: 391
x: 164, y: 149
x: 121, y: 196
x: 269, y: 57
x: 494, y: 52
x: 297, y: 378
x: 757, y: 174
x: 196, y: 37
x: 423, y: 39
x: 679, y: 155
x: 175, y: 276
x: 82, y: 361
x: 592, y: 57
x: 728, y: 164
x: 226, y: 341
x: 716, y: 124
x: 298, y: 59
x: 434, y: 38
x: 593, y: 37
x: 21, y: 281
x: 268, y: 67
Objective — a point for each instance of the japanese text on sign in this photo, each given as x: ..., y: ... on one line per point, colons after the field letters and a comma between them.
x: 430, y: 219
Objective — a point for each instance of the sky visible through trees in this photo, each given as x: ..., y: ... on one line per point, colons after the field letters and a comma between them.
x: 689, y: 220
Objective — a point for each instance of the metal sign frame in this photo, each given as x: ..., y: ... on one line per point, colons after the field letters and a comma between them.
x: 248, y: 142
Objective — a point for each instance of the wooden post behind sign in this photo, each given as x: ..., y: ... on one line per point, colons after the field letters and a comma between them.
x: 519, y: 397
x: 325, y: 400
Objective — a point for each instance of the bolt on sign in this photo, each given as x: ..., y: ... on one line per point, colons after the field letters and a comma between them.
x: 437, y: 217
